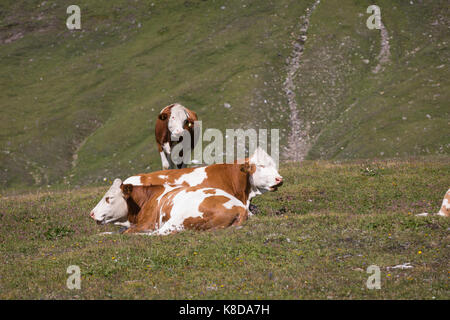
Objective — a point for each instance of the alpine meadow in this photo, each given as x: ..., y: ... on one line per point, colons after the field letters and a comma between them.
x: 364, y: 144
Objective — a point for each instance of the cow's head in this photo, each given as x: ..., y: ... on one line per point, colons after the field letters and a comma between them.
x: 263, y: 171
x: 178, y: 119
x: 112, y: 207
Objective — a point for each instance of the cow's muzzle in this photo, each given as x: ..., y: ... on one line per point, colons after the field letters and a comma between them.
x: 279, y: 183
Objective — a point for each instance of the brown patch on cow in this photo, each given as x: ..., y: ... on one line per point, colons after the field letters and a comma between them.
x: 126, y: 190
x: 215, y: 215
x: 141, y: 204
x: 248, y: 168
x: 133, y: 210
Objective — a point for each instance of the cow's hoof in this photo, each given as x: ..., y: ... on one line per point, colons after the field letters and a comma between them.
x: 253, y: 209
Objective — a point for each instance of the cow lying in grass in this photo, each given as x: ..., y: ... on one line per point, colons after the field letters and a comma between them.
x: 231, y: 178
x: 188, y: 201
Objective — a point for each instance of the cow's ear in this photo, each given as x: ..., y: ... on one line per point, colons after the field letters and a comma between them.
x: 126, y: 190
x: 248, y: 168
x: 162, y: 116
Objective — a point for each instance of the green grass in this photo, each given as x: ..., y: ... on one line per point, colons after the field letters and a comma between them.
x: 313, y: 239
x: 94, y: 94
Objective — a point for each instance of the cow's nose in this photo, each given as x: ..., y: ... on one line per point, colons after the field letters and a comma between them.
x: 279, y: 180
x: 92, y: 215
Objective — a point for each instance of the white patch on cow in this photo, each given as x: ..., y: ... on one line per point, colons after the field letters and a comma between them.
x: 186, y: 205
x: 161, y: 216
x: 112, y: 207
x: 266, y: 174
x: 445, y: 206
x: 178, y: 115
x: 233, y: 202
x: 162, y: 176
x: 126, y: 224
x: 193, y: 178
x: 230, y: 204
x: 167, y: 189
x: 134, y: 180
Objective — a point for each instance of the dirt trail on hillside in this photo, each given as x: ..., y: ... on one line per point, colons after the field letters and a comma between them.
x: 298, y: 139
x: 385, y: 52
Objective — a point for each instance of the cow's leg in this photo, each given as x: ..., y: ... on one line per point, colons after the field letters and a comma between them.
x: 134, y: 229
x: 164, y: 162
x: 147, y: 219
x: 241, y: 218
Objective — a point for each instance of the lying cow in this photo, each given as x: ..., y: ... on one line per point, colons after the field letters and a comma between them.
x: 168, y: 207
x: 169, y: 128
x: 228, y: 177
x: 445, y: 208
x: 167, y: 210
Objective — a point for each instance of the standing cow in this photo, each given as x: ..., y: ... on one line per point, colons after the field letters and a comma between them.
x: 172, y: 121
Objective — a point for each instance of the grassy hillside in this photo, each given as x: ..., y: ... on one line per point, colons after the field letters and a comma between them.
x: 312, y: 239
x: 402, y: 110
x: 79, y: 106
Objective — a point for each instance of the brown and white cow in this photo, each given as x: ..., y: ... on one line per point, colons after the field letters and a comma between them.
x: 164, y: 210
x: 171, y: 209
x: 172, y: 121
x: 445, y: 207
x: 179, y: 199
x: 231, y: 178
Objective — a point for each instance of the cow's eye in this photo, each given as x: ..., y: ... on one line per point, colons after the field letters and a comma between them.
x: 107, y: 199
